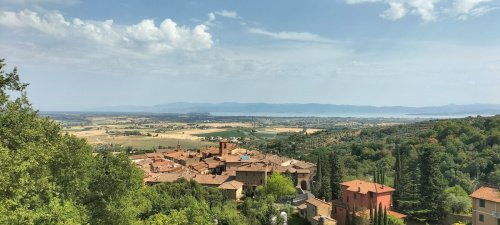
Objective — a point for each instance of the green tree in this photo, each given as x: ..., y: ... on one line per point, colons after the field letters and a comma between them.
x: 337, y: 175
x: 397, y: 179
x: 30, y: 191
x: 325, y: 190
x: 385, y: 216
x: 347, y: 216
x: 432, y: 183
x: 371, y: 213
x: 353, y: 216
x: 278, y: 186
x: 392, y: 220
x: 115, y: 192
x: 380, y: 218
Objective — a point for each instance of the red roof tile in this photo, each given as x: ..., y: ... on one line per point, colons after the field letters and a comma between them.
x: 364, y: 187
x: 487, y: 193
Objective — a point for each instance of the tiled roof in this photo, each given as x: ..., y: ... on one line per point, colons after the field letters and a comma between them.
x: 200, y: 166
x: 231, y: 185
x: 253, y: 168
x: 317, y: 202
x: 154, y: 155
x: 303, y: 165
x: 364, y: 187
x: 170, y: 177
x: 487, y: 193
x: 210, y: 179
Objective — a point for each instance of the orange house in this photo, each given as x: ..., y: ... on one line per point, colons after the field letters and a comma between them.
x: 359, y: 194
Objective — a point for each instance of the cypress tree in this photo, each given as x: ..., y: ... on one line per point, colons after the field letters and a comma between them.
x: 318, y: 178
x: 375, y: 216
x: 382, y: 175
x: 385, y: 216
x: 380, y: 218
x: 337, y: 175
x: 397, y: 178
x: 432, y: 183
x: 375, y: 176
x: 371, y: 212
x: 347, y: 218
x: 325, y: 190
x: 353, y: 218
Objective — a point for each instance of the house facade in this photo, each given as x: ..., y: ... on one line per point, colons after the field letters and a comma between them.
x: 486, y: 206
x: 361, y: 194
x: 317, y: 212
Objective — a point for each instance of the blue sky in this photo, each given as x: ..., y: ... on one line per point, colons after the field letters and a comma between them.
x: 84, y: 54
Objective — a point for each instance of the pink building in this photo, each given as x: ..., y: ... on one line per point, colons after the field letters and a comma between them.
x: 359, y: 194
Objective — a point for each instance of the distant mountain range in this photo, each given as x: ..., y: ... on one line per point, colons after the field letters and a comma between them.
x: 311, y: 108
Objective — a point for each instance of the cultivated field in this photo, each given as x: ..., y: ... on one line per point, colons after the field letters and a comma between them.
x: 145, y: 133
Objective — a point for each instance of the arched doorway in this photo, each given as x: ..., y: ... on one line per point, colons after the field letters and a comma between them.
x: 303, y: 185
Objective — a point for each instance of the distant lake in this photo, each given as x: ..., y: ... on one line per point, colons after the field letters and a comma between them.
x: 345, y: 115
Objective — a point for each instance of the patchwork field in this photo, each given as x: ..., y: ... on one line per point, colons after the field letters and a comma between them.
x: 144, y: 133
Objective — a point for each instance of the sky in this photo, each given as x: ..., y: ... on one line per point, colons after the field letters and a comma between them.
x: 82, y: 54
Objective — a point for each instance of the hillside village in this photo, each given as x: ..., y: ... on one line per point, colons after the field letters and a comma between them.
x: 238, y: 172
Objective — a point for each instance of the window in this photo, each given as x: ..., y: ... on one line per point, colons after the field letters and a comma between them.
x: 498, y: 221
x: 482, y: 203
x: 481, y: 217
x: 355, y: 196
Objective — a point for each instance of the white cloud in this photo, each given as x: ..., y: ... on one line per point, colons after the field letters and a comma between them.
x: 228, y: 14
x: 429, y: 10
x: 30, y: 2
x: 361, y: 1
x: 400, y: 8
x: 424, y: 8
x: 395, y: 12
x: 143, y: 35
x: 465, y: 8
x: 293, y: 36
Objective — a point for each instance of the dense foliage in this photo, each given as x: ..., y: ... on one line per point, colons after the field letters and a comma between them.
x: 434, y: 164
x: 50, y: 178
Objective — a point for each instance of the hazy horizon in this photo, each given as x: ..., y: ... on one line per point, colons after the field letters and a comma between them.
x: 85, y: 54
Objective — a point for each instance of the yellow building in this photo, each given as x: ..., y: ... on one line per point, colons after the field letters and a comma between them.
x: 486, y: 206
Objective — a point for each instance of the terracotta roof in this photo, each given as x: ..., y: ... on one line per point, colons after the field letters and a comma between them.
x: 200, y: 166
x: 364, y: 187
x: 303, y: 165
x: 230, y: 173
x: 253, y: 168
x: 237, y: 158
x: 231, y: 185
x: 170, y: 177
x: 210, y: 179
x: 487, y: 193
x: 212, y: 150
x: 317, y: 202
x: 154, y: 155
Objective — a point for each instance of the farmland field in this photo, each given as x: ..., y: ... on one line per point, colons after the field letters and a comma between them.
x: 150, y: 131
